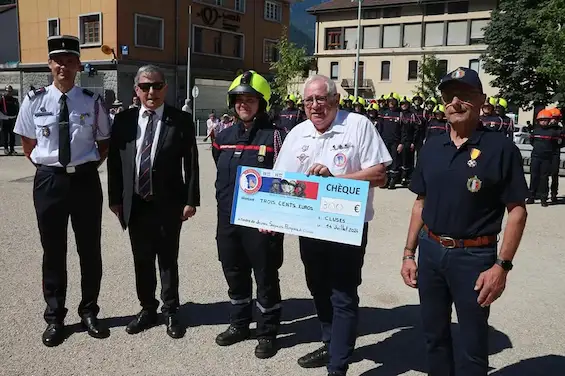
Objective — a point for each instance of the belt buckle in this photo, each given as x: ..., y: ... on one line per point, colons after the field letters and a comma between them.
x: 447, y: 242
x: 70, y: 169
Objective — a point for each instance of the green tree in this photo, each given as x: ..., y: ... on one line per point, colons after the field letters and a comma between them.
x: 290, y: 64
x: 514, y: 55
x: 551, y: 21
x: 430, y: 73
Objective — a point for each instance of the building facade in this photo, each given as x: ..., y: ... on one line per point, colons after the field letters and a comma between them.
x: 395, y: 36
x: 225, y: 37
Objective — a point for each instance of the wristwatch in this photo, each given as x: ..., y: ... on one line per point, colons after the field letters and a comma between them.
x: 505, y: 264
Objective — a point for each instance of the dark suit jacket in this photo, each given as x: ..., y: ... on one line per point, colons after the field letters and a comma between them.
x: 176, y: 151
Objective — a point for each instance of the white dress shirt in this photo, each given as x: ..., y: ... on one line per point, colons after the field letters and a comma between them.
x: 38, y: 119
x: 142, y: 121
x: 351, y: 144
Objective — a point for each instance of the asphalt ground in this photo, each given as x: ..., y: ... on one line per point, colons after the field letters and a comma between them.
x: 528, y: 335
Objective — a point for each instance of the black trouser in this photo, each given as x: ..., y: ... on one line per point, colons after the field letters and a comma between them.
x: 154, y: 233
x: 540, y: 169
x: 446, y: 277
x: 8, y: 133
x: 58, y: 195
x: 333, y: 275
x: 407, y: 157
x: 394, y: 168
x: 242, y: 250
x: 555, y: 162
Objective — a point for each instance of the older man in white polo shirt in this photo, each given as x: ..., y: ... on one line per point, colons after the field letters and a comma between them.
x: 346, y: 145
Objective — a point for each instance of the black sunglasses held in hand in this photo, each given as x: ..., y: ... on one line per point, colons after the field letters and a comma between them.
x: 145, y: 86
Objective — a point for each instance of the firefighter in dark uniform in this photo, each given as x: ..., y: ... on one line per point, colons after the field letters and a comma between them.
x: 290, y: 116
x: 381, y: 101
x: 546, y: 142
x: 410, y: 128
x: 251, y: 141
x: 391, y: 131
x: 556, y: 162
x: 9, y: 106
x: 373, y: 113
x: 438, y: 124
x: 348, y: 103
x: 359, y: 106
x: 65, y: 132
x: 489, y: 119
x: 506, y: 123
x: 418, y: 110
x: 464, y: 181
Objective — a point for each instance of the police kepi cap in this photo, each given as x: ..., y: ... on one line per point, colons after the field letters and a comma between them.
x: 63, y: 44
x: 463, y: 75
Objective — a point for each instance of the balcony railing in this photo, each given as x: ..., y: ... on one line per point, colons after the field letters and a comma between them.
x: 349, y: 83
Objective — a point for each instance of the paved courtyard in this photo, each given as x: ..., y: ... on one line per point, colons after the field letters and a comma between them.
x: 528, y: 335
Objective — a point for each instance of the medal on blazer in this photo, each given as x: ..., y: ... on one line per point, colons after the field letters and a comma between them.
x: 474, y: 155
x: 262, y: 153
x: 45, y: 131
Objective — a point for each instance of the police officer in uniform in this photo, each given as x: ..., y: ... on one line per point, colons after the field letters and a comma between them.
x: 346, y: 145
x: 465, y: 181
x: 546, y: 141
x: 252, y: 141
x: 65, y: 131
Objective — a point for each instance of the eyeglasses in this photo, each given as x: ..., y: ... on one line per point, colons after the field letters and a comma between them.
x: 146, y: 86
x: 320, y: 100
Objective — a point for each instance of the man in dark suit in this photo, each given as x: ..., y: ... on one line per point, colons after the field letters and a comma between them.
x: 150, y: 148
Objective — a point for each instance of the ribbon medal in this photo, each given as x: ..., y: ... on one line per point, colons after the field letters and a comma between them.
x: 262, y: 153
x: 475, y: 153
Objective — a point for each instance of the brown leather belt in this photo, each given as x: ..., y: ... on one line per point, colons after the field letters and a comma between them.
x: 449, y: 242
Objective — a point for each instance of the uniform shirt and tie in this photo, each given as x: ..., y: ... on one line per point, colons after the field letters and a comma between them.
x: 40, y: 117
x: 149, y: 127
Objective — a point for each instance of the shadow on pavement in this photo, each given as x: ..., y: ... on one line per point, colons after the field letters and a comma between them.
x: 548, y: 365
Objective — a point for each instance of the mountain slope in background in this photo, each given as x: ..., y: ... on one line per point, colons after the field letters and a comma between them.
x: 303, y: 25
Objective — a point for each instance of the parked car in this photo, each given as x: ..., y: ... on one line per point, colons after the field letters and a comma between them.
x: 521, y: 135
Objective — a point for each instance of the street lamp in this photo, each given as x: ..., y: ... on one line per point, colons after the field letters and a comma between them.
x: 356, y: 77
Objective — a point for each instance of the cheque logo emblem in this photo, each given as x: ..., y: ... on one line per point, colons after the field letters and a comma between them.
x: 250, y: 181
x: 340, y: 160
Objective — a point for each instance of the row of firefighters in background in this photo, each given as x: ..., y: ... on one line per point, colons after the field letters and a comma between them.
x: 405, y: 123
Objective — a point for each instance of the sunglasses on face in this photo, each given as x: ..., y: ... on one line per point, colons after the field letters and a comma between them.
x: 146, y: 86
x: 464, y: 96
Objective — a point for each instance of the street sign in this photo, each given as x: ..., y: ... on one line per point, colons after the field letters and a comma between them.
x: 195, y: 91
x: 125, y: 50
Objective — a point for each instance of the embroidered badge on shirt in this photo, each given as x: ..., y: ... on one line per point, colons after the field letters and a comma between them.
x: 302, y: 157
x: 45, y: 131
x: 340, y: 160
x: 305, y: 147
x: 474, y: 184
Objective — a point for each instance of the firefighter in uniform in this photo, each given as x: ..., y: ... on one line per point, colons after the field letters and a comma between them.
x: 381, y: 101
x: 546, y: 142
x: 373, y: 113
x: 65, y: 132
x: 359, y: 106
x: 410, y: 128
x: 506, y: 123
x: 252, y: 141
x: 438, y: 124
x: 418, y: 110
x: 488, y: 118
x: 556, y: 162
x: 390, y: 130
x: 290, y: 116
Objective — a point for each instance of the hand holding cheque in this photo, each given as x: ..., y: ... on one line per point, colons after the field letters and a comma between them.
x: 325, y: 208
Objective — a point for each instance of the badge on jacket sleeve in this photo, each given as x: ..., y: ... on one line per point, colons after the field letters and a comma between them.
x: 262, y: 153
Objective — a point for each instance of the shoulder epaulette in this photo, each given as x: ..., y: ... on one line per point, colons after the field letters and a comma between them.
x: 91, y: 94
x: 35, y: 93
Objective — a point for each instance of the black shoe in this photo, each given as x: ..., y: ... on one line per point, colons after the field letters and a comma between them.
x: 143, y: 321
x: 54, y: 335
x: 392, y: 186
x: 174, y: 328
x: 13, y: 152
x: 232, y: 335
x: 266, y: 348
x: 530, y: 200
x: 315, y: 359
x: 94, y: 328
x: 544, y: 203
x: 6, y: 152
x: 554, y: 199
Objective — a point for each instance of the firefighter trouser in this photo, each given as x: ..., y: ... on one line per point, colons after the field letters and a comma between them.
x: 407, y: 162
x: 555, y: 162
x: 394, y: 168
x: 540, y: 169
x: 242, y: 250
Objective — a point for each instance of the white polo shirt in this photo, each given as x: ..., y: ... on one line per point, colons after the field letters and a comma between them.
x: 38, y: 119
x: 351, y: 144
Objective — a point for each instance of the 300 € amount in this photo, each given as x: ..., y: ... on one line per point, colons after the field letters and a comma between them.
x: 339, y: 206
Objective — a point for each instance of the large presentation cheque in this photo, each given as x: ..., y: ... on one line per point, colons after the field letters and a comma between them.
x: 312, y: 206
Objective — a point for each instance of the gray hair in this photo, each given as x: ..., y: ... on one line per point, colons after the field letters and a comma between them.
x: 330, y: 84
x: 149, y: 69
